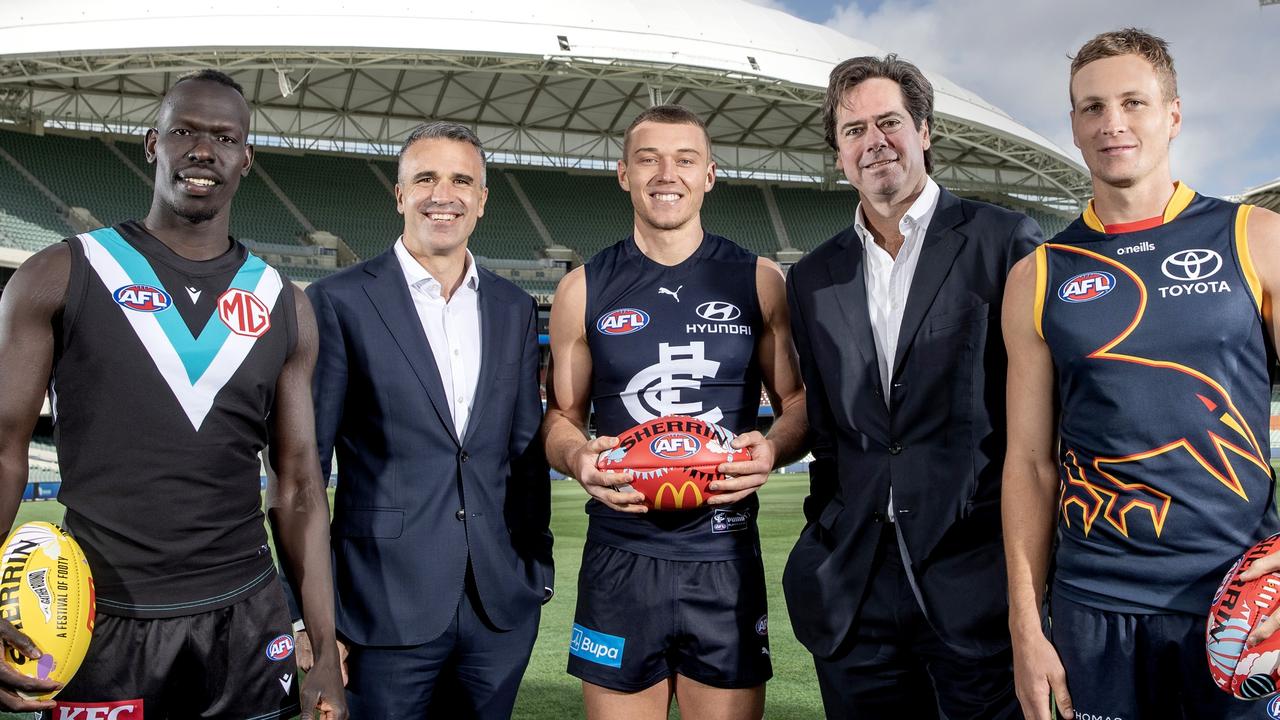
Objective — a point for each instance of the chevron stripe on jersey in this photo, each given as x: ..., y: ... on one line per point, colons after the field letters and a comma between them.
x: 194, y: 367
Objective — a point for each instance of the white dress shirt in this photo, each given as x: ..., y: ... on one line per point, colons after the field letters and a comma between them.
x: 889, y: 282
x: 452, y: 328
x: 889, y: 278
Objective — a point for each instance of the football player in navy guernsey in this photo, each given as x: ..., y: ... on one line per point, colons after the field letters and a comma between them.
x: 1140, y: 344
x: 672, y: 320
x: 170, y: 355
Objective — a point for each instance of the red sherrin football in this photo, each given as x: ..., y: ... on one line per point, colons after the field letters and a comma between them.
x: 1250, y: 673
x: 672, y: 460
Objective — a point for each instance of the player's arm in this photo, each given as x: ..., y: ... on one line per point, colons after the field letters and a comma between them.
x: 780, y: 370
x: 564, y: 429
x: 1263, y: 234
x: 30, y: 303
x: 299, y: 513
x: 1029, y: 498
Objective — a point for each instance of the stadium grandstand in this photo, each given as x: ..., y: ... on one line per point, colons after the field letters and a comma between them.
x: 549, y: 87
x: 1266, y: 195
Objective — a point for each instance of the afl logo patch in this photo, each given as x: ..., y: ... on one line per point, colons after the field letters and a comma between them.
x: 675, y: 446
x: 762, y: 626
x: 1087, y: 286
x: 1273, y: 708
x: 623, y: 321
x: 280, y: 648
x: 142, y: 298
x: 242, y: 312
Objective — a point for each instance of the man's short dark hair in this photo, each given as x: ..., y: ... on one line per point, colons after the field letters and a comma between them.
x: 917, y: 92
x: 211, y: 75
x: 442, y: 130
x: 667, y: 115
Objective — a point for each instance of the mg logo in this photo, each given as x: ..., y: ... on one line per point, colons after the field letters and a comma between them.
x: 1191, y: 265
x: 244, y: 313
x: 718, y: 311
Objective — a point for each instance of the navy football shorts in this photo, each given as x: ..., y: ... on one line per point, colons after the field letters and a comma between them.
x: 641, y: 620
x: 1141, y: 667
x: 234, y: 663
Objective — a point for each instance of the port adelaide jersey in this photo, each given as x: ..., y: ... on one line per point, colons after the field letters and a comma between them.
x: 164, y: 374
x: 676, y: 340
x: 1162, y: 369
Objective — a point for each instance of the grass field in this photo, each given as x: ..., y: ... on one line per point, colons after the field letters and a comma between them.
x: 548, y: 693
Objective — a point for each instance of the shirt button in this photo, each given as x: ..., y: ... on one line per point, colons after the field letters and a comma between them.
x: 465, y: 456
x: 461, y: 515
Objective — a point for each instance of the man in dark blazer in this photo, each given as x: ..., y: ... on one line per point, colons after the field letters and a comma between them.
x: 427, y: 387
x: 897, y: 583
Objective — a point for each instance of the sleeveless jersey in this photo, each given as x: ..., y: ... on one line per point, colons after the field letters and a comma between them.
x: 1162, y: 370
x: 164, y: 374
x: 677, y: 340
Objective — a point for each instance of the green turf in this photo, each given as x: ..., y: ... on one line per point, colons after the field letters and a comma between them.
x: 548, y: 693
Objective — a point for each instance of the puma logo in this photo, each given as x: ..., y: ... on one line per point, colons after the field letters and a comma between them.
x: 673, y: 293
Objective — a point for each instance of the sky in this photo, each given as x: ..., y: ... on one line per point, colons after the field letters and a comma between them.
x: 1014, y: 54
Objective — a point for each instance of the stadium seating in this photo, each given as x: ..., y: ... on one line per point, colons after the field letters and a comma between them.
x: 340, y: 195
x: 738, y: 211
x: 82, y: 172
x: 584, y: 212
x: 811, y: 216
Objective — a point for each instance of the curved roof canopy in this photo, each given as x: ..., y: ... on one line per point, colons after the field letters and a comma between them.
x: 1266, y: 195
x: 543, y: 83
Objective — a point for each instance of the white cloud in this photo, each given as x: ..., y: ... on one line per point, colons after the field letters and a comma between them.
x: 1014, y: 54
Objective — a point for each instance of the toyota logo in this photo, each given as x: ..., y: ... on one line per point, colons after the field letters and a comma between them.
x: 718, y: 311
x: 1189, y: 265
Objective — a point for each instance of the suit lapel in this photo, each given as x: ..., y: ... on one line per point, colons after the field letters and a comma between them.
x: 493, y: 331
x: 849, y: 283
x: 388, y: 291
x: 938, y: 253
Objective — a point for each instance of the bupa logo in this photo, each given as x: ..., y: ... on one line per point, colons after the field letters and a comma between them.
x: 244, y: 313
x: 675, y: 446
x: 718, y: 311
x: 143, y: 298
x: 280, y: 648
x: 596, y: 647
x: 1191, y: 265
x: 120, y: 710
x: 623, y: 321
x: 1087, y: 286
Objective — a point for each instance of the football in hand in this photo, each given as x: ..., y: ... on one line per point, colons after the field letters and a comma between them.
x: 672, y: 460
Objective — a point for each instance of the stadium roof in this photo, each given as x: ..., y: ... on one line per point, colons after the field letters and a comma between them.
x: 1266, y: 195
x: 542, y: 82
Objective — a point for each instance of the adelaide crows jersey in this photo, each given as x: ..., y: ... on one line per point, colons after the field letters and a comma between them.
x: 675, y: 340
x: 164, y: 374
x: 1162, y: 370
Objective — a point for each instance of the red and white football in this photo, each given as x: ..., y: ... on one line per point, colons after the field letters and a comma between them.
x: 1250, y: 673
x: 672, y: 460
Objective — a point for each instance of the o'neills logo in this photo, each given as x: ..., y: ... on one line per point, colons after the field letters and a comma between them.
x: 669, y: 497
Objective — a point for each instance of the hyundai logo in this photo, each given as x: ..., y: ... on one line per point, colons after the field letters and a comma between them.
x: 1190, y: 265
x: 718, y: 311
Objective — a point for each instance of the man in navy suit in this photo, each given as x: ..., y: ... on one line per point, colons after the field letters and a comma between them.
x: 896, y: 584
x: 427, y: 387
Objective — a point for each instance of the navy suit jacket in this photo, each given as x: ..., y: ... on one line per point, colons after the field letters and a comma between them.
x: 415, y: 503
x: 940, y: 444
